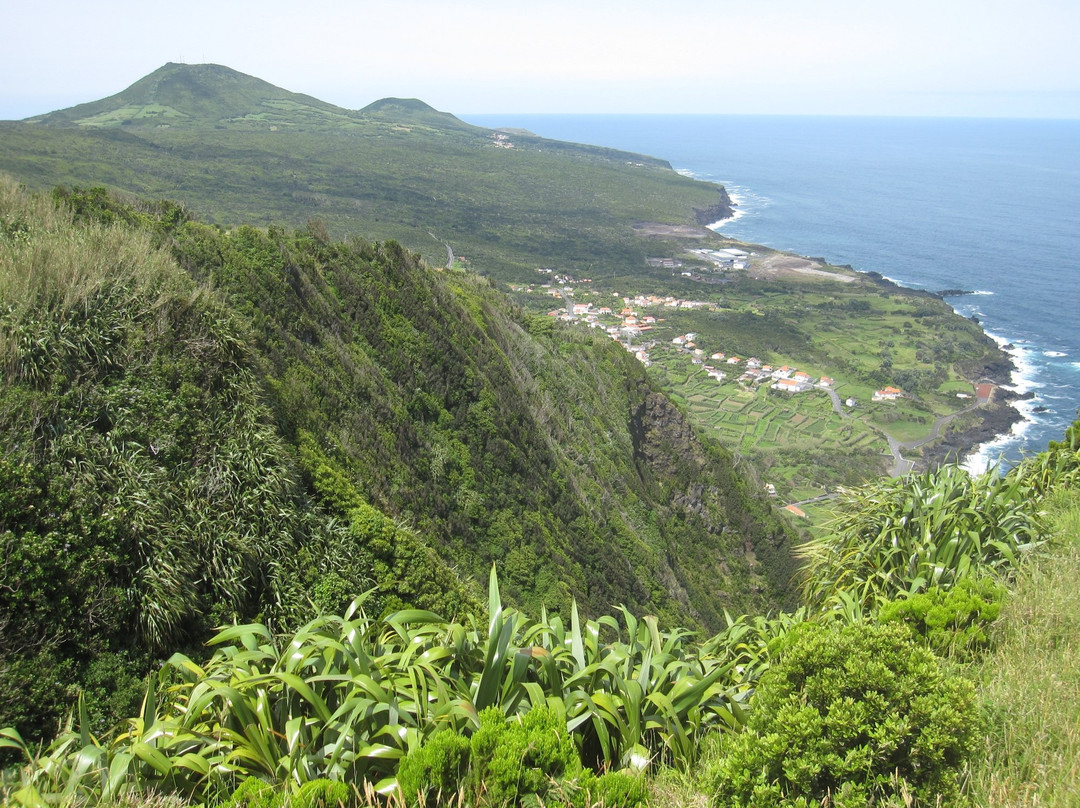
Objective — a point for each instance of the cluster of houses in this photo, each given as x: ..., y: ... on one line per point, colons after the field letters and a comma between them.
x: 754, y: 371
x: 628, y: 324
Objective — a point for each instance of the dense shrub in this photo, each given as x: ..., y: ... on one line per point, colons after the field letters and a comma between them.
x: 892, y: 538
x: 320, y: 793
x: 510, y: 762
x: 850, y: 716
x: 435, y: 772
x: 953, y: 622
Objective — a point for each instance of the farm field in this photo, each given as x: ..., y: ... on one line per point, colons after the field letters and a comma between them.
x: 720, y: 340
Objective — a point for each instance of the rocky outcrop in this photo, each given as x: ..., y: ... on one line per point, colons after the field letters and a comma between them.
x: 723, y: 209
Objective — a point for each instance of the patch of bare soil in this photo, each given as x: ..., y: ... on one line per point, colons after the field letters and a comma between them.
x: 655, y: 229
x: 782, y: 265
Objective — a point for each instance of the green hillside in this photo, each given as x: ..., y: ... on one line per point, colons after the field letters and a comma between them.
x: 520, y: 209
x: 199, y: 427
x: 290, y: 516
x: 240, y: 151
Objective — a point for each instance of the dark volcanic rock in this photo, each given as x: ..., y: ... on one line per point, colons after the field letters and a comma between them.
x: 723, y: 209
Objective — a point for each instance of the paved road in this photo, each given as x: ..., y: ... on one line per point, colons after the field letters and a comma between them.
x: 901, y: 466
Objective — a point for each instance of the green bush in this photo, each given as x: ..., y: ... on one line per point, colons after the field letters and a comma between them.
x: 511, y: 758
x: 435, y: 771
x: 509, y: 761
x: 320, y: 793
x: 610, y: 789
x: 850, y: 716
x: 953, y: 622
x: 896, y: 537
x: 255, y: 793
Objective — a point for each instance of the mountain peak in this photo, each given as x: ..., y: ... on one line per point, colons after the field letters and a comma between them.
x: 410, y: 105
x: 197, y: 95
x: 414, y: 111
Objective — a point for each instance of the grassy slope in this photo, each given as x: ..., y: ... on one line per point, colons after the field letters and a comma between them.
x: 1030, y: 685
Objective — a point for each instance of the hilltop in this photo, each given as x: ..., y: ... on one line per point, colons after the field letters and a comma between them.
x: 238, y: 150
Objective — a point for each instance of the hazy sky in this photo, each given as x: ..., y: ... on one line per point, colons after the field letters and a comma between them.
x: 860, y: 57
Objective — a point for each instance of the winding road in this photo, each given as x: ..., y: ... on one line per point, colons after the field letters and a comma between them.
x: 901, y: 466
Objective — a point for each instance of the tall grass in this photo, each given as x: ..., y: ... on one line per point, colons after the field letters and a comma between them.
x: 69, y: 292
x: 1030, y: 684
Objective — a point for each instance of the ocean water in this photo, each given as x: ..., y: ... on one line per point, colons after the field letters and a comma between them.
x: 987, y: 205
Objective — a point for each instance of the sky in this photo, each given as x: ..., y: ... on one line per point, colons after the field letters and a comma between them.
x: 983, y: 58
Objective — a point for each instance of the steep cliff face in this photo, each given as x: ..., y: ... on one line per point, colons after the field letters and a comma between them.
x: 723, y: 209
x: 740, y: 532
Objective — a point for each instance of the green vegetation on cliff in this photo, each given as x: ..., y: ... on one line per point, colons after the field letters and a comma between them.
x: 199, y: 427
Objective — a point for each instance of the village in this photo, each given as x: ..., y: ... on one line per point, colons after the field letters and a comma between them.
x: 625, y: 324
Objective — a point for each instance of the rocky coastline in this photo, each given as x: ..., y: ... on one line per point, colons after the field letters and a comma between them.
x: 724, y: 208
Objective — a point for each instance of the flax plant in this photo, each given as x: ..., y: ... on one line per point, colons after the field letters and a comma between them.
x: 346, y: 697
x: 892, y: 538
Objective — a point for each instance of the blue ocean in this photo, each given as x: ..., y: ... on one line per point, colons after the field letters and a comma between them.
x: 986, y: 205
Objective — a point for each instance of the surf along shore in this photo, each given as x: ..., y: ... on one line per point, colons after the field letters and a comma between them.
x: 958, y: 437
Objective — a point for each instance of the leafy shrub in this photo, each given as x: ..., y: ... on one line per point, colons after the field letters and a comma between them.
x: 436, y: 770
x: 898, y: 537
x: 321, y: 793
x: 521, y: 756
x: 508, y: 761
x: 850, y: 716
x: 951, y: 621
x: 255, y: 793
x: 610, y: 789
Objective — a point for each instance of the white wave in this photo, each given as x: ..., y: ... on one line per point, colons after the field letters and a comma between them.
x: 982, y: 292
x: 1054, y: 353
x: 988, y: 454
x: 742, y: 203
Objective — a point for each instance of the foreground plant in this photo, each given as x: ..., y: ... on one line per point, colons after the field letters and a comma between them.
x: 897, y: 537
x: 851, y: 715
x: 347, y: 697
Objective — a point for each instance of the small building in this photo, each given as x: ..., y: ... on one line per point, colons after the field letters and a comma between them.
x: 888, y: 394
x: 792, y: 386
